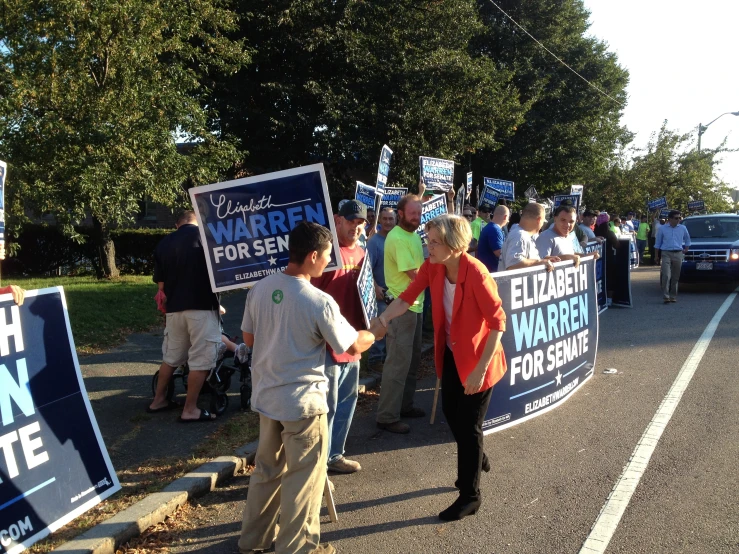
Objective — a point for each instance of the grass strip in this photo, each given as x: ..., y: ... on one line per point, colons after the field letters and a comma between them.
x: 103, y: 312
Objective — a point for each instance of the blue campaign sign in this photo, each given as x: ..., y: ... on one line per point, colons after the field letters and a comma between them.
x: 696, y: 206
x: 433, y: 207
x: 600, y: 273
x: 366, y: 290
x: 574, y: 198
x: 244, y: 224
x: 550, y: 342
x: 657, y: 203
x: 436, y: 174
x: 504, y: 188
x: 3, y: 173
x: 365, y: 194
x: 383, y: 169
x: 489, y: 197
x: 392, y: 196
x: 664, y: 213
x: 55, y: 465
x: 469, y: 184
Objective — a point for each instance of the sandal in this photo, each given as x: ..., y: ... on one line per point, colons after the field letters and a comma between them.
x: 204, y: 416
x: 171, y: 405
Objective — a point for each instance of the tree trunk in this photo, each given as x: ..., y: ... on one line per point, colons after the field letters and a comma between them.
x: 105, y: 250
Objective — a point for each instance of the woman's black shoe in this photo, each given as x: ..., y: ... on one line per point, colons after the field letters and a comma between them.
x: 460, y: 508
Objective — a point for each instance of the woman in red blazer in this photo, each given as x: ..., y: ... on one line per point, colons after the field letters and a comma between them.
x: 468, y: 323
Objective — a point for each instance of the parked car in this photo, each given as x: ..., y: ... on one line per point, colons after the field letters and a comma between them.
x: 714, y: 249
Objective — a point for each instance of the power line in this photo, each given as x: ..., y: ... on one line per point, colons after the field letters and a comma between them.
x: 560, y: 60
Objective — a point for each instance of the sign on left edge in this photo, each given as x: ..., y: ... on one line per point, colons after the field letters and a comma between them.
x: 55, y: 465
x: 245, y: 223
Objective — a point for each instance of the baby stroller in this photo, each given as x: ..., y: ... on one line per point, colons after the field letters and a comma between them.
x: 218, y: 381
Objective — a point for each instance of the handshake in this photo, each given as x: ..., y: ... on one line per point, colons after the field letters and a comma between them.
x: 377, y: 328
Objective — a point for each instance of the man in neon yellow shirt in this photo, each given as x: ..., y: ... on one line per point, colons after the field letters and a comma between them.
x: 403, y: 258
x: 483, y: 218
x: 642, y: 236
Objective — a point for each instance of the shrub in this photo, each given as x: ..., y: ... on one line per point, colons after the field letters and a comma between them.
x: 134, y: 249
x: 45, y: 250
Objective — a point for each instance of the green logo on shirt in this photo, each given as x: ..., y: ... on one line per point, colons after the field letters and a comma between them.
x: 277, y: 296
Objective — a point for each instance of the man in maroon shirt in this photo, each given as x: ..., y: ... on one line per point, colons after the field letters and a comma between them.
x: 342, y: 370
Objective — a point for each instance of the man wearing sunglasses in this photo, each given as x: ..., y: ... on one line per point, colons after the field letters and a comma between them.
x: 673, y: 241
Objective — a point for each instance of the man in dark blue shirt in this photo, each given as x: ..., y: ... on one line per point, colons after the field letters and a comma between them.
x: 193, y: 330
x: 492, y: 238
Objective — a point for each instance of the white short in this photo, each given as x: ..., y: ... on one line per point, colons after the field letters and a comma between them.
x: 192, y: 336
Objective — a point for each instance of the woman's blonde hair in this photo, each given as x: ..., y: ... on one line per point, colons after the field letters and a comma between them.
x: 454, y: 231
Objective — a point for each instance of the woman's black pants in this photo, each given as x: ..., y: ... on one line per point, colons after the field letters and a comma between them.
x: 465, y: 414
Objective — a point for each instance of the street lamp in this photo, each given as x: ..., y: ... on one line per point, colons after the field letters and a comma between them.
x: 702, y: 128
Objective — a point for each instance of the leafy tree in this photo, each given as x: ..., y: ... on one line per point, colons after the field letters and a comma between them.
x: 413, y: 81
x: 569, y: 130
x: 94, y: 95
x: 668, y: 166
x: 333, y: 81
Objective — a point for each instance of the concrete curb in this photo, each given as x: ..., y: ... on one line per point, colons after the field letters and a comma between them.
x: 131, y: 522
x: 368, y: 383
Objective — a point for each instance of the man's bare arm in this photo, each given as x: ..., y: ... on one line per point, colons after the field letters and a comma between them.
x: 248, y: 339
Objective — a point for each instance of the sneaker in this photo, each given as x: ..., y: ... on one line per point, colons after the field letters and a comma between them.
x: 342, y: 465
x: 413, y: 412
x: 242, y: 353
x: 667, y: 300
x: 221, y: 350
x: 395, y: 427
x: 673, y: 299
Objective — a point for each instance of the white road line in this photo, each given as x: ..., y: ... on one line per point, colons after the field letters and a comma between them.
x: 613, y: 510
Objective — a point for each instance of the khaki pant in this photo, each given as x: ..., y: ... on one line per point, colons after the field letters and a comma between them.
x: 401, y: 367
x: 672, y: 263
x: 192, y: 336
x: 288, y: 482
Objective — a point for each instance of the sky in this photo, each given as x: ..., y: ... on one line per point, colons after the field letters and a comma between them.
x: 682, y: 59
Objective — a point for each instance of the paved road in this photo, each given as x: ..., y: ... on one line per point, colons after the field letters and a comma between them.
x: 119, y: 386
x: 552, y: 475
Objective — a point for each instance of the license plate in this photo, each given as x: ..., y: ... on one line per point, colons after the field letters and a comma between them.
x: 704, y: 265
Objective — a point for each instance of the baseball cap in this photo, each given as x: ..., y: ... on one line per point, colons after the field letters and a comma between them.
x: 351, y: 209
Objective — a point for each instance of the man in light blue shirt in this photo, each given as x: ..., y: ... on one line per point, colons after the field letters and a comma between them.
x: 673, y: 241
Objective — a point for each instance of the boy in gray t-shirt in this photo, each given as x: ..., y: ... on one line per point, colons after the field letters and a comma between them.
x: 287, y: 322
x: 296, y: 320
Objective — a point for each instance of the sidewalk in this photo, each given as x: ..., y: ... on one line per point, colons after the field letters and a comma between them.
x: 119, y: 386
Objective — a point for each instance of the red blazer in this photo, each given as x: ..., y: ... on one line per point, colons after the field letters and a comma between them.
x: 477, y: 310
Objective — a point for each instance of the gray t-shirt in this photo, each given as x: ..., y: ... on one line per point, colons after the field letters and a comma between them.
x: 292, y: 321
x: 518, y: 246
x: 550, y: 243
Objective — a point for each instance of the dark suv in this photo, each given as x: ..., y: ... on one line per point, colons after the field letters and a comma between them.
x: 714, y: 249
